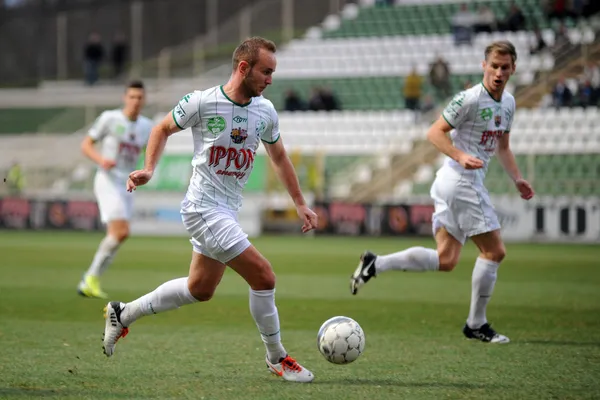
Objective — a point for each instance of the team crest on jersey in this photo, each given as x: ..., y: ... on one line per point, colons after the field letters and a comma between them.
x: 238, y: 135
x: 216, y: 124
x: 486, y: 114
x: 497, y: 120
x: 261, y: 127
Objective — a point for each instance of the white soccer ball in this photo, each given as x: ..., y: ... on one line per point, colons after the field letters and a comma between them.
x: 341, y: 340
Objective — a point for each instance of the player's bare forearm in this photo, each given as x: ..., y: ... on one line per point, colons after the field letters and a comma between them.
x: 438, y: 136
x: 507, y: 158
x: 287, y: 175
x: 156, y: 145
x: 508, y: 162
x: 158, y: 140
x: 286, y: 172
x: 88, y: 149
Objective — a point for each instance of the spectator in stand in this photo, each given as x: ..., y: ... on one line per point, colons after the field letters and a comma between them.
x: 293, y: 102
x: 329, y: 99
x: 412, y: 90
x: 591, y: 72
x: 462, y: 25
x: 315, y: 103
x: 561, y: 94
x: 485, y: 21
x: 93, y: 54
x: 119, y: 55
x: 561, y: 40
x: 539, y: 43
x: 515, y: 20
x: 586, y: 95
x: 439, y: 76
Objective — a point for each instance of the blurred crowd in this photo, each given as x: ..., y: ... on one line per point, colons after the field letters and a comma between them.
x: 95, y: 55
x: 584, y: 91
x: 466, y: 22
x: 321, y: 99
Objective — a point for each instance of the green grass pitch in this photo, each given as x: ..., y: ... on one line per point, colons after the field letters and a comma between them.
x: 547, y: 300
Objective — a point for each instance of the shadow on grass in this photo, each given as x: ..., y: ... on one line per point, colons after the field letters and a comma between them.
x: 561, y: 343
x: 399, y: 383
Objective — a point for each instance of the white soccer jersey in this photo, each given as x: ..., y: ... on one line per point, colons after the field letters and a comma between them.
x: 478, y: 121
x: 226, y: 136
x: 122, y: 140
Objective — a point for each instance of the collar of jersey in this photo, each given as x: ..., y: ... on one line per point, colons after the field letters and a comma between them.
x: 237, y: 104
x: 488, y: 92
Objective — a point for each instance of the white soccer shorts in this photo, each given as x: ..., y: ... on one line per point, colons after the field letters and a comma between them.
x: 463, y: 208
x: 114, y: 202
x: 214, y: 232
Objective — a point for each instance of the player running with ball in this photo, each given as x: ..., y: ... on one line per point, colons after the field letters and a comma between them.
x: 228, y: 123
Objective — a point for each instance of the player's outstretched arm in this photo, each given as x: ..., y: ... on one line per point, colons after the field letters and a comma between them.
x: 154, y: 149
x: 97, y: 132
x: 507, y: 159
x: 287, y: 174
x: 88, y: 149
x: 438, y: 136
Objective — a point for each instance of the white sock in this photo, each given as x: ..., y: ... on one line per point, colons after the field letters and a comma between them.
x: 483, y: 280
x: 264, y: 312
x: 414, y: 259
x: 168, y: 296
x: 104, y: 256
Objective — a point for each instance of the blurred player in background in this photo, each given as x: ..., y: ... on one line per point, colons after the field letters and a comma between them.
x: 479, y: 120
x: 228, y: 123
x: 123, y: 133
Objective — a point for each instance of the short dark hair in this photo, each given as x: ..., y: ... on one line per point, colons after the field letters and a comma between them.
x: 248, y: 50
x: 135, y: 84
x: 502, y: 47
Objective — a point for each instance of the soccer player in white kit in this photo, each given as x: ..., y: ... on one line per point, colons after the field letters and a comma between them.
x: 228, y: 123
x: 123, y: 134
x: 479, y: 120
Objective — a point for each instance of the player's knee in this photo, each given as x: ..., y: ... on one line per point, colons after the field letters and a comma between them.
x: 121, y: 234
x: 496, y: 255
x: 264, y: 278
x: 200, y: 292
x: 448, y: 261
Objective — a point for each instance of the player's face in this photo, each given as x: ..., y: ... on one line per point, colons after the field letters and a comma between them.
x: 134, y: 100
x: 497, y: 69
x: 261, y: 74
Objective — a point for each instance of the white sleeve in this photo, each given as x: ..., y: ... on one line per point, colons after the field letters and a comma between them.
x: 100, y: 128
x: 511, y: 116
x: 187, y: 112
x: 271, y: 133
x: 457, y: 110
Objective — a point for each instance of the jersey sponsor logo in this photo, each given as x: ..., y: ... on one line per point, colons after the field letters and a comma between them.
x: 261, y: 127
x: 179, y: 111
x: 238, y: 135
x: 453, y: 108
x: 486, y: 114
x: 488, y: 139
x: 497, y: 120
x: 237, y: 119
x: 241, y: 159
x: 129, y: 152
x: 216, y: 124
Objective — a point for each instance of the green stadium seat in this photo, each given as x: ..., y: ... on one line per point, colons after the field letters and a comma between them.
x: 427, y: 19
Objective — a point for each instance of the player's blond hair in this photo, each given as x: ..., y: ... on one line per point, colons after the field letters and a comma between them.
x: 502, y: 47
x: 249, y: 49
